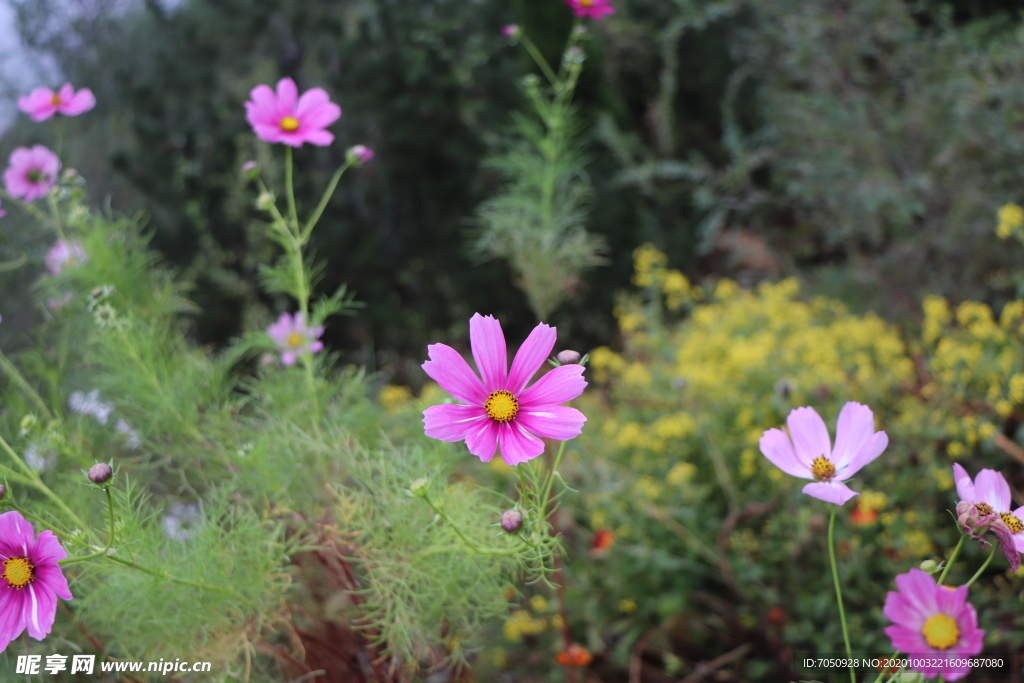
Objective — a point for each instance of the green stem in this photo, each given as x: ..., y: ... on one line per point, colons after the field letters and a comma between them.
x: 551, y: 479
x: 465, y: 539
x: 983, y: 567
x: 956, y: 551
x: 60, y: 133
x: 162, y: 575
x: 19, y: 379
x: 839, y: 592
x: 881, y: 674
x: 38, y: 484
x: 110, y: 535
x: 540, y: 61
x: 293, y: 220
x: 331, y: 186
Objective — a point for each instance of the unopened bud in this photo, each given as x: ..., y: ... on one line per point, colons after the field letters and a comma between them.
x: 28, y: 423
x: 419, y: 487
x: 359, y: 155
x: 511, y: 31
x: 100, y: 473
x: 250, y: 169
x: 930, y: 566
x: 512, y: 521
x: 264, y: 201
x: 568, y: 357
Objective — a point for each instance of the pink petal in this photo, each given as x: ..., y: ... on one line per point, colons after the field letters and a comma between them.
x: 777, y: 447
x: 829, y: 491
x: 907, y: 640
x: 66, y: 92
x: 52, y: 578
x: 310, y: 100
x: 964, y: 485
x: 268, y: 133
x: 1007, y: 540
x: 855, y: 427
x: 287, y: 93
x: 47, y: 550
x: 452, y: 422
x: 918, y: 589
x: 552, y: 422
x: 12, y: 622
x: 560, y: 385
x: 531, y: 356
x: 991, y: 487
x: 40, y: 606
x: 951, y: 601
x: 482, y: 439
x: 82, y: 102
x: 288, y: 359
x: 868, y: 452
x: 809, y: 434
x: 518, y: 445
x: 16, y: 535
x: 452, y: 372
x: 488, y: 344
x: 320, y: 116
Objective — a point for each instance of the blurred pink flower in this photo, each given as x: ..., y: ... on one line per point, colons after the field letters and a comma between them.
x: 985, y: 506
x: 293, y: 337
x: 933, y: 622
x: 31, y: 580
x: 31, y: 172
x: 289, y: 119
x: 42, y: 103
x: 500, y: 411
x: 595, y: 9
x: 807, y: 452
x: 61, y: 254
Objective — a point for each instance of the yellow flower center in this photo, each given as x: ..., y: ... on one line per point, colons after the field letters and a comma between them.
x: 295, y: 339
x: 586, y: 3
x: 1016, y: 526
x: 55, y: 100
x: 18, y: 571
x: 290, y: 124
x: 822, y: 469
x: 984, y: 509
x: 941, y: 631
x: 501, y: 406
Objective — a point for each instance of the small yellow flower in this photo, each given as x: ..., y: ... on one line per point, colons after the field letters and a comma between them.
x: 627, y: 606
x: 538, y: 604
x: 1011, y: 220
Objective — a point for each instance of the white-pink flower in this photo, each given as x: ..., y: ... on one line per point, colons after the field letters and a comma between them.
x: 985, y: 506
x: 42, y: 103
x: 294, y: 338
x: 65, y: 254
x: 31, y: 172
x: 807, y: 452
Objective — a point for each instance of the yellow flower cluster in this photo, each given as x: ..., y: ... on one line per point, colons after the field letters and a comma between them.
x: 1011, y: 222
x: 651, y: 273
x: 522, y: 623
x: 393, y: 398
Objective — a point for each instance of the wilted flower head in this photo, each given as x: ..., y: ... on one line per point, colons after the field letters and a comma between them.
x: 31, y: 172
x: 934, y: 622
x: 65, y: 254
x: 807, y: 452
x: 289, y: 119
x: 42, y: 103
x: 360, y: 154
x: 985, y: 506
x: 595, y: 9
x: 31, y: 580
x: 294, y: 338
x: 500, y: 412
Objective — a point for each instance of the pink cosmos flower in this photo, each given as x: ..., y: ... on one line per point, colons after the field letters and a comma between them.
x: 807, y: 453
x: 500, y: 411
x: 31, y: 580
x: 62, y: 254
x: 933, y: 622
x: 42, y: 103
x: 31, y: 172
x: 289, y: 119
x: 595, y: 9
x: 985, y: 506
x: 294, y: 338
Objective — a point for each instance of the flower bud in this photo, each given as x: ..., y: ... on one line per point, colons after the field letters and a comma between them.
x: 568, y: 357
x: 359, y: 155
x: 930, y: 566
x: 250, y: 169
x: 264, y: 201
x: 100, y: 473
x: 419, y: 487
x: 512, y: 521
x: 511, y: 31
x: 28, y: 423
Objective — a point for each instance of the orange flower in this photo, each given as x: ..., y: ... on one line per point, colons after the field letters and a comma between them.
x: 575, y: 656
x: 603, y: 540
x: 863, y: 517
x: 776, y: 616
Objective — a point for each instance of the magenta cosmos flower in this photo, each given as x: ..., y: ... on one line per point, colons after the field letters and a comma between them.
x: 42, y: 103
x: 31, y: 172
x: 807, y: 453
x: 500, y: 412
x: 65, y: 254
x: 985, y: 506
x: 595, y: 9
x: 294, y: 338
x: 935, y: 623
x: 289, y: 119
x: 31, y: 580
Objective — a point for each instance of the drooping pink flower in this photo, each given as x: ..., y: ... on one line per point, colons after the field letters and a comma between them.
x: 500, y: 412
x: 42, y: 103
x: 294, y: 338
x: 807, y: 452
x: 289, y: 119
x: 935, y: 623
x: 31, y: 172
x: 595, y: 9
x: 65, y: 254
x: 31, y: 581
x: 985, y: 505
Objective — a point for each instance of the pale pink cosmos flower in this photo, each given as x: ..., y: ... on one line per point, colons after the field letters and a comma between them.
x: 935, y: 623
x: 65, y: 254
x: 42, y: 103
x: 985, y: 506
x: 289, y: 119
x: 31, y: 172
x: 500, y: 412
x: 807, y: 452
x: 595, y: 9
x: 31, y: 580
x: 294, y: 338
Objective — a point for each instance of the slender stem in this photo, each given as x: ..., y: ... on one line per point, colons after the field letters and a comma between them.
x: 956, y: 551
x: 60, y: 133
x: 37, y: 483
x: 331, y: 186
x: 110, y: 535
x: 551, y: 478
x: 15, y: 375
x: 34, y: 210
x: 293, y: 220
x: 839, y: 592
x: 469, y: 543
x: 163, y: 575
x: 983, y: 567
x: 541, y: 62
